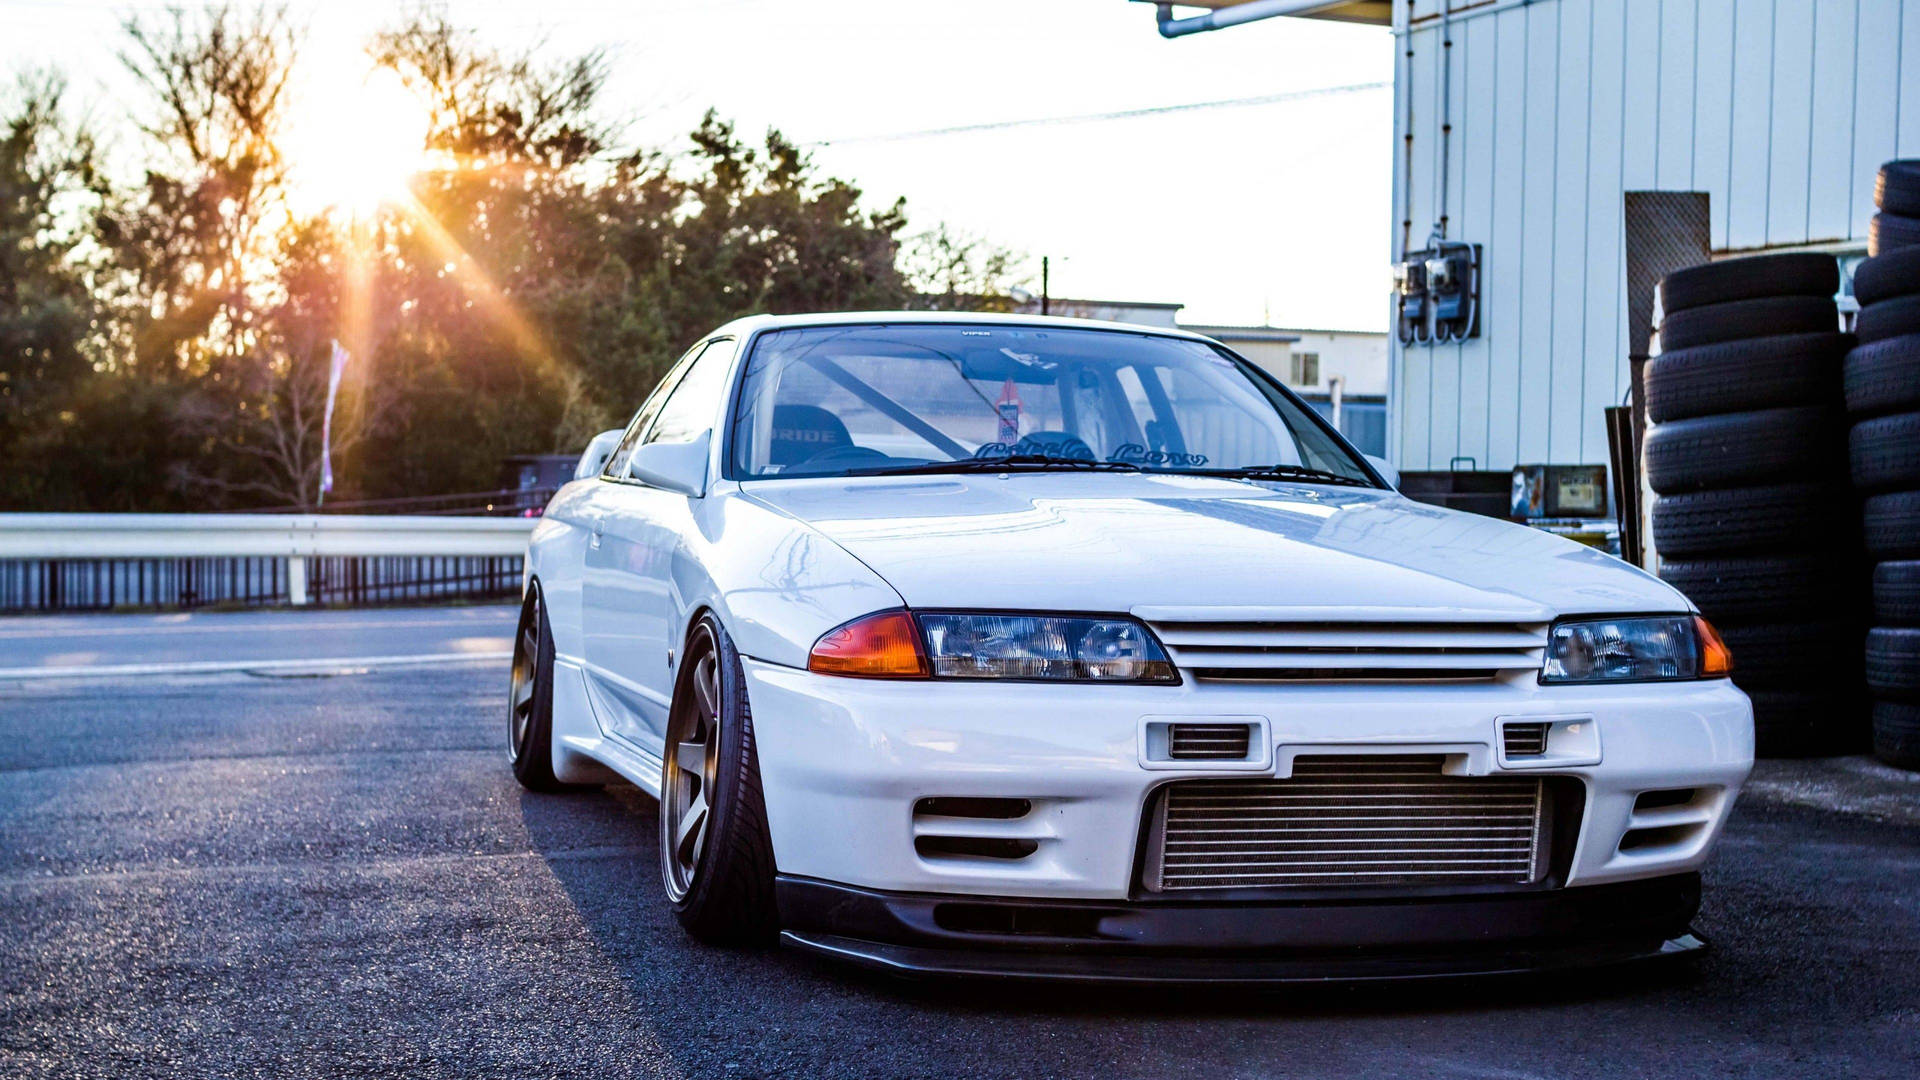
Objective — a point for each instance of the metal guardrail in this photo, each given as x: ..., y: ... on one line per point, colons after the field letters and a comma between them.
x: 80, y: 562
x: 506, y: 502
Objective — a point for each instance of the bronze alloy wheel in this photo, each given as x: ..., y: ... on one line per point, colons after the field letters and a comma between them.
x: 693, y: 768
x: 523, y: 692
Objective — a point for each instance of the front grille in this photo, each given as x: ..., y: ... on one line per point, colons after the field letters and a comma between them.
x: 1525, y: 740
x: 1348, y: 820
x: 1228, y: 742
x: 1349, y: 651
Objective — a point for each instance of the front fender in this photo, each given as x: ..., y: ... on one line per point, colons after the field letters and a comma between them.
x: 776, y: 583
x: 557, y: 556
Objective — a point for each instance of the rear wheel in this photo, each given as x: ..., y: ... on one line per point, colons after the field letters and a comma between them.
x: 716, y: 859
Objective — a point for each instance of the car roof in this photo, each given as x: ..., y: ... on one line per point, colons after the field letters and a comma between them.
x: 756, y: 323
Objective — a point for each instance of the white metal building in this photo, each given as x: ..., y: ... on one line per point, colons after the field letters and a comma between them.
x: 1523, y: 135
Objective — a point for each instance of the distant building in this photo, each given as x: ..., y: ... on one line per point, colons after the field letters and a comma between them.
x: 1140, y: 314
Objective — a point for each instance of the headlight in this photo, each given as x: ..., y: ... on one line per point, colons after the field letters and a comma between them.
x: 1052, y: 648
x: 1637, y: 649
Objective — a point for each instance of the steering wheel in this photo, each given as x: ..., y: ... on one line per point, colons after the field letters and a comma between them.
x: 841, y: 454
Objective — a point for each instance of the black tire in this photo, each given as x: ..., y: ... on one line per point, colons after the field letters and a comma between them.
x: 1891, y: 525
x: 1896, y: 733
x: 721, y: 891
x: 1792, y: 656
x: 1744, y: 520
x: 530, y: 697
x: 1886, y: 452
x: 1893, y: 662
x: 1896, y: 188
x: 1741, y: 376
x: 1896, y: 593
x: 1887, y: 319
x: 1883, y: 377
x: 1791, y: 274
x: 1738, y: 319
x: 1806, y: 723
x: 1891, y: 232
x: 1897, y: 273
x: 1741, y: 449
x: 1757, y: 588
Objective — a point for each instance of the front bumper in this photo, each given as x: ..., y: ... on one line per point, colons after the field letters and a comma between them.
x: 913, y: 934
x: 843, y: 762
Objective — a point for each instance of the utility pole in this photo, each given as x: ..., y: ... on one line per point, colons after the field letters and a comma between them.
x: 1045, y: 271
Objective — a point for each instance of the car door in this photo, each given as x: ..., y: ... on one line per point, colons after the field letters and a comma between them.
x: 629, y: 601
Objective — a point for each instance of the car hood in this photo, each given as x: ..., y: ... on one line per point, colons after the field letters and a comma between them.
x: 1157, y: 543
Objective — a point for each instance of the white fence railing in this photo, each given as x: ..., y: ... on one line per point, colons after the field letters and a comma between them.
x: 111, y: 557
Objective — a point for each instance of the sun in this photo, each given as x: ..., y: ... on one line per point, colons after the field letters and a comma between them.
x: 355, y: 143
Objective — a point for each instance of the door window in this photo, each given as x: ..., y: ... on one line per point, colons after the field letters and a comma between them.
x: 691, y: 406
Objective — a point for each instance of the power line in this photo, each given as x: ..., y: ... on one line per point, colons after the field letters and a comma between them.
x: 1095, y: 118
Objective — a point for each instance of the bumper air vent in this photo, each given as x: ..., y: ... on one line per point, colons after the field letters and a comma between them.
x: 1348, y: 820
x: 1525, y: 740
x: 1209, y: 742
x: 961, y: 829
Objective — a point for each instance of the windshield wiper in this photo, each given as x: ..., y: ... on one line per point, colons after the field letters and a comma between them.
x: 1284, y: 472
x: 1010, y: 463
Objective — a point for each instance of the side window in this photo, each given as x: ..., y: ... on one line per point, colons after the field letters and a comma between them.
x: 617, y: 461
x: 692, y: 406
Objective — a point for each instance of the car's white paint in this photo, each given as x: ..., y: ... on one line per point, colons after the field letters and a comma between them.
x: 626, y: 567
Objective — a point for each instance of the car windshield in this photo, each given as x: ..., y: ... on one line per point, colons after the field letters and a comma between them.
x: 923, y: 397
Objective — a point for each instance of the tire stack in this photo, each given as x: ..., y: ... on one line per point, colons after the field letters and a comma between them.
x: 1882, y: 383
x: 1753, y: 522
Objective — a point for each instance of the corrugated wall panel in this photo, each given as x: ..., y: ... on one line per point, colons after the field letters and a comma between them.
x: 1830, y: 177
x: 1790, y: 138
x: 1605, y: 252
x: 1781, y: 110
x: 1542, y: 107
x: 1566, y: 299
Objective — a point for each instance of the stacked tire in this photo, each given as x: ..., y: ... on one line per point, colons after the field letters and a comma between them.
x: 1882, y: 382
x: 1752, y: 521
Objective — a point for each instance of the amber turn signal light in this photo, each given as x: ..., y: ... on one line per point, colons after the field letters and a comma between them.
x: 1716, y: 660
x: 884, y: 645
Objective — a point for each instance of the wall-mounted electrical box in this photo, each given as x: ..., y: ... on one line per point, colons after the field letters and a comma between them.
x: 1437, y: 292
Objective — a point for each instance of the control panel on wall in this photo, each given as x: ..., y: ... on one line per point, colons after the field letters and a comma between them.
x: 1437, y: 293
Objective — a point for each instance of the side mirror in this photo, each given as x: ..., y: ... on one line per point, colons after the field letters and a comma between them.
x: 593, y: 460
x: 678, y: 467
x: 1387, y: 472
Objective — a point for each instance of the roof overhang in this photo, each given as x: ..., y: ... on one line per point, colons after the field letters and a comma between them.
x: 1371, y: 12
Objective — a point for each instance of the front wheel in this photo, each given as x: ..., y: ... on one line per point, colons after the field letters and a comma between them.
x: 716, y: 860
x: 530, y: 699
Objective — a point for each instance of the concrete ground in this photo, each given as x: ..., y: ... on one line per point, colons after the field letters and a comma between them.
x: 328, y: 871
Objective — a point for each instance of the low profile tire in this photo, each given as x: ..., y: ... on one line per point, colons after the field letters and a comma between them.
x: 1738, y: 319
x: 530, y: 698
x: 1886, y: 452
x: 1806, y: 723
x: 1891, y: 523
x: 1896, y: 733
x: 1888, y: 318
x: 1792, y: 656
x: 1791, y: 274
x: 1741, y: 376
x: 1745, y: 520
x: 1883, y: 277
x: 1896, y: 593
x: 1742, y: 449
x: 1761, y: 587
x: 1893, y: 662
x: 716, y: 859
x: 1896, y: 187
x: 1883, y: 377
x: 1891, y: 232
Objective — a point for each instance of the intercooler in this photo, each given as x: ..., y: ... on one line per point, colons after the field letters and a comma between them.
x: 1348, y: 820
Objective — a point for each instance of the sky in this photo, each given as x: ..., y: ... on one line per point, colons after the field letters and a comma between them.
x: 1265, y: 213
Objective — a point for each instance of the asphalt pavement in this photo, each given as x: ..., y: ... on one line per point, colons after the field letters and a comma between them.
x: 328, y: 871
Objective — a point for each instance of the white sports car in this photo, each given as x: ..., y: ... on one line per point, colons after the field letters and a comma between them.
x: 1056, y: 649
